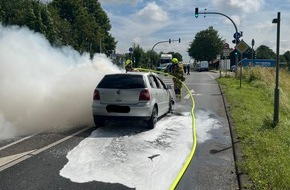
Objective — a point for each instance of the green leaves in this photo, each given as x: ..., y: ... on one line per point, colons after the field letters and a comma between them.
x: 206, y: 45
x: 81, y: 24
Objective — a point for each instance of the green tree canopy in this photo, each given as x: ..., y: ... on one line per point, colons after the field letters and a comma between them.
x: 287, y: 56
x: 206, y: 45
x: 82, y: 24
x: 264, y: 52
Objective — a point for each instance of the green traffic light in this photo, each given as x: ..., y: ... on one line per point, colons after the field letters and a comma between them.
x: 196, y: 12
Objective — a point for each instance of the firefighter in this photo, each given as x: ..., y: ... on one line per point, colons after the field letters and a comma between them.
x: 177, y: 71
x: 128, y: 66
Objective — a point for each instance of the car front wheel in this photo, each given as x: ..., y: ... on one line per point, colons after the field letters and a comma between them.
x: 151, y: 123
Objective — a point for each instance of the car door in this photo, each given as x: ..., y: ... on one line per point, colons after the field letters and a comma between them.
x: 165, y: 96
x: 160, y: 94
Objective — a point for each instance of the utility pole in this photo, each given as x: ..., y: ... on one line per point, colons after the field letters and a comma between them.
x: 276, y: 91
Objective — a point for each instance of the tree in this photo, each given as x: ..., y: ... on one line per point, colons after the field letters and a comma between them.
x: 206, y: 45
x: 264, y: 52
x: 178, y: 56
x: 287, y: 56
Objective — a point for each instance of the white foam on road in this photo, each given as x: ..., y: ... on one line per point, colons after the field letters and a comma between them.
x: 137, y: 158
x: 142, y: 160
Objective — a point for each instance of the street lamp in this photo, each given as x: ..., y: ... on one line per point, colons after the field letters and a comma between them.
x: 276, y: 91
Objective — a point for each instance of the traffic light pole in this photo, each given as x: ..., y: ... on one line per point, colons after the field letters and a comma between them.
x: 165, y: 41
x: 236, y: 37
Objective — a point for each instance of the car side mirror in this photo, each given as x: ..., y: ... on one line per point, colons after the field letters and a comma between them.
x: 169, y: 86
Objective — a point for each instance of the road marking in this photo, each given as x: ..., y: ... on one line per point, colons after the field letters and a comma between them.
x: 17, y: 158
x: 187, y: 96
x: 20, y: 140
x: 7, y: 159
x: 211, y: 76
x: 191, y: 83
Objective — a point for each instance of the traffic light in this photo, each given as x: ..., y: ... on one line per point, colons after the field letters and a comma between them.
x: 237, y: 36
x: 170, y: 41
x: 234, y: 41
x: 196, y: 12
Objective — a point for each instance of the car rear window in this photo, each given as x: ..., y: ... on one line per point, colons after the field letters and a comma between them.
x: 122, y: 81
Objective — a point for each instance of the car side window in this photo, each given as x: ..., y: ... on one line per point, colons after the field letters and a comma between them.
x: 153, y: 82
x: 161, y: 83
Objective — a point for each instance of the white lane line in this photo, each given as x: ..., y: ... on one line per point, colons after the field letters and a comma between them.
x: 187, y: 96
x: 16, y: 159
x: 20, y: 140
x: 7, y: 159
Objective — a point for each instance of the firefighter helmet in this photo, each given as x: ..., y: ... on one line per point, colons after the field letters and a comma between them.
x: 174, y: 60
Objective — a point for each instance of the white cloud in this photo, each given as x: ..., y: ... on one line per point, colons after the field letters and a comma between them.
x: 131, y: 2
x: 158, y: 20
x: 153, y: 12
x: 237, y: 5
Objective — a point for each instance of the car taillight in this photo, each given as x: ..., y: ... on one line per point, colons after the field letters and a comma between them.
x: 144, y: 95
x: 96, y: 95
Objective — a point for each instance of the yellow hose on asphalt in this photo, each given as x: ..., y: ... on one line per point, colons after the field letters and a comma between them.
x: 190, y: 156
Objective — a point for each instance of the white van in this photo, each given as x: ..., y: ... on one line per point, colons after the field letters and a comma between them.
x: 202, y: 66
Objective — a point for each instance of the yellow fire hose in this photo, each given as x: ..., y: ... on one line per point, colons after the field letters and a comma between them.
x: 190, y: 156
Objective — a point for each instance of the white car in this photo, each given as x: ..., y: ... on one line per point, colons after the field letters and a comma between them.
x: 133, y: 95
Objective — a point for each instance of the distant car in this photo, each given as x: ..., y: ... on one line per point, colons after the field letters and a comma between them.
x: 164, y: 67
x: 233, y: 68
x: 133, y: 95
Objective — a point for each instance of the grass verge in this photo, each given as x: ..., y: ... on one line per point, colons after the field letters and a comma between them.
x: 265, y: 147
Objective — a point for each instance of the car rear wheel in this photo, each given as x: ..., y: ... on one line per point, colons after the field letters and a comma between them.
x: 151, y: 123
x: 99, y: 121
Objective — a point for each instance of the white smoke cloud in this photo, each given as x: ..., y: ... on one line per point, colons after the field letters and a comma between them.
x: 44, y: 87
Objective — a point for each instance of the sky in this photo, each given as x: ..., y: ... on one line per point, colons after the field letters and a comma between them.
x: 145, y: 23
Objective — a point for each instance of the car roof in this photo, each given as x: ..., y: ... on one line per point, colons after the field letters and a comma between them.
x: 133, y: 73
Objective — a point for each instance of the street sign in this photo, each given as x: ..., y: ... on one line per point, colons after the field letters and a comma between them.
x: 226, y: 46
x: 242, y: 46
x: 130, y: 49
x: 237, y: 35
x: 226, y: 52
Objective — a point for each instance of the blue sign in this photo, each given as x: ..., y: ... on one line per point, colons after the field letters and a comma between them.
x: 237, y: 35
x: 259, y: 62
x: 131, y: 49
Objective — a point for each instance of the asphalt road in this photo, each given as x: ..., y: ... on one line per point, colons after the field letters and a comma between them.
x: 34, y: 162
x: 212, y: 166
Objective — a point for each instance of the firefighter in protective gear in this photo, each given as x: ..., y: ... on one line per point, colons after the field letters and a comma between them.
x: 177, y: 71
x: 128, y: 66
